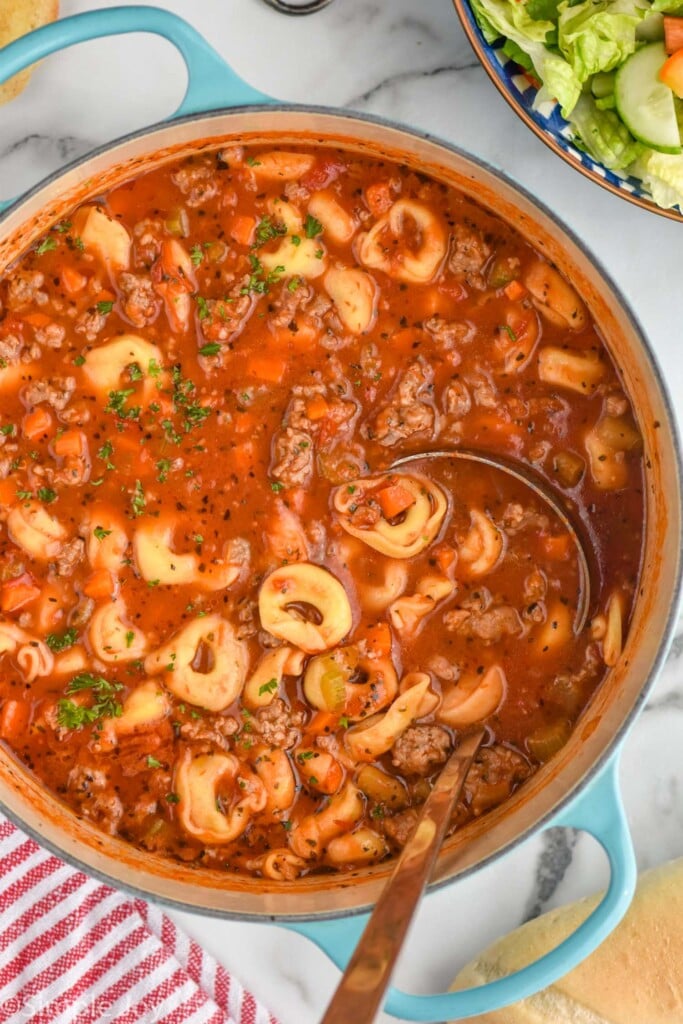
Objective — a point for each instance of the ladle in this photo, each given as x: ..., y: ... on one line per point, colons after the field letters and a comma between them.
x: 366, y: 978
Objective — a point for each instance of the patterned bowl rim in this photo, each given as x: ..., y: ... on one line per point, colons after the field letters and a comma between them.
x: 483, y: 54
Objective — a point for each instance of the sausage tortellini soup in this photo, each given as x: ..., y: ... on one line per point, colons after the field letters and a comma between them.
x: 234, y: 629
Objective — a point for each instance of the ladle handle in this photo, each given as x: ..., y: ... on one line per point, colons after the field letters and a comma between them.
x: 361, y: 990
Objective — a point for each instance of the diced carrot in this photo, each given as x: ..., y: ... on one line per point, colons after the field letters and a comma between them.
x: 323, y: 722
x: 37, y: 319
x: 394, y: 499
x: 99, y: 585
x: 317, y: 408
x: 379, y: 198
x: 242, y: 229
x: 8, y: 491
x: 673, y: 33
x: 445, y: 556
x: 73, y: 281
x: 378, y: 639
x: 558, y: 548
x: 270, y: 368
x: 72, y: 444
x: 671, y: 72
x: 13, y: 719
x: 515, y: 291
x: 36, y: 423
x: 18, y: 592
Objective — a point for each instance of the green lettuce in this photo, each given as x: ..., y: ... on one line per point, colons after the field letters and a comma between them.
x: 662, y: 173
x: 668, y: 6
x: 512, y: 21
x: 603, y: 135
x: 597, y: 36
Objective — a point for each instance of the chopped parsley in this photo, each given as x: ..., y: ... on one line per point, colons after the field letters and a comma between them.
x: 63, y: 226
x: 172, y: 798
x: 79, y: 360
x: 48, y: 244
x: 196, y: 255
x: 269, y: 687
x: 163, y: 467
x: 7, y: 430
x: 212, y: 349
x: 277, y: 487
x: 253, y: 162
x: 130, y: 637
x: 266, y: 231
x: 117, y: 404
x: 138, y: 501
x: 134, y: 372
x: 185, y: 401
x: 105, y: 307
x: 312, y: 227
x: 293, y: 284
x: 47, y: 495
x: 508, y: 330
x: 71, y: 715
x: 101, y: 533
x: 259, y: 281
x: 153, y: 763
x: 203, y: 311
x: 61, y: 641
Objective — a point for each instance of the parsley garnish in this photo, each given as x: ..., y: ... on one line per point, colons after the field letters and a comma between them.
x: 47, y: 245
x: 184, y: 399
x: 117, y: 404
x: 258, y: 279
x: 312, y: 227
x: 60, y: 641
x: 266, y: 231
x: 163, y: 466
x: 101, y: 533
x: 134, y: 372
x: 153, y: 763
x: 7, y: 430
x: 196, y: 255
x: 203, y: 311
x: 293, y: 284
x: 138, y: 501
x: 277, y: 487
x: 105, y: 307
x: 212, y: 349
x: 130, y: 637
x: 508, y: 330
x: 74, y: 716
x: 79, y: 360
x: 47, y: 495
x: 269, y: 687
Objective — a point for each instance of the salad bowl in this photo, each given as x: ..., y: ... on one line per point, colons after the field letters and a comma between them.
x: 541, y: 112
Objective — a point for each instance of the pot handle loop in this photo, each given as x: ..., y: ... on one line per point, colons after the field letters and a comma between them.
x: 211, y: 82
x: 598, y: 811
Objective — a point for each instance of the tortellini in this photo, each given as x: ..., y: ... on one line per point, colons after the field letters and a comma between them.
x: 207, y: 787
x: 473, y: 699
x: 157, y: 561
x: 112, y: 638
x: 314, y: 832
x: 274, y: 769
x: 145, y: 706
x: 35, y: 531
x: 408, y: 613
x: 401, y: 536
x: 350, y: 683
x: 33, y: 657
x: 354, y: 294
x: 104, y: 236
x: 417, y: 267
x: 264, y: 683
x: 370, y: 739
x: 364, y: 846
x: 570, y: 368
x: 105, y: 365
x: 290, y: 591
x: 554, y: 297
x: 483, y: 547
x: 204, y: 664
x: 281, y: 166
x: 339, y: 224
x: 608, y: 445
x: 106, y: 539
x: 297, y: 255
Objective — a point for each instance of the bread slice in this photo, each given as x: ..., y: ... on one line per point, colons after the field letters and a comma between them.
x: 17, y: 17
x: 634, y: 977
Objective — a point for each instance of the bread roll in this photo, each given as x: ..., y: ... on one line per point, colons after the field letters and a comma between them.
x: 634, y: 977
x: 17, y: 17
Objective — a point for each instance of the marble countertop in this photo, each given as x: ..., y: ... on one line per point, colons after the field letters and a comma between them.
x: 410, y: 62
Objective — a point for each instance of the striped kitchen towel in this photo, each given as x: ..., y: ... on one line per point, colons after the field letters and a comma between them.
x: 74, y: 951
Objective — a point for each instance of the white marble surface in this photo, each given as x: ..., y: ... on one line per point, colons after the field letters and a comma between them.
x: 408, y: 61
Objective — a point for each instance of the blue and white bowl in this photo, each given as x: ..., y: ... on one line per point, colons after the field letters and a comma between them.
x: 546, y: 122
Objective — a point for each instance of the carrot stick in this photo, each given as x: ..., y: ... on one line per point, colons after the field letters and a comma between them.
x: 13, y: 719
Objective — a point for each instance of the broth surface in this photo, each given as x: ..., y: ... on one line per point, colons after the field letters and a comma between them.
x: 230, y: 631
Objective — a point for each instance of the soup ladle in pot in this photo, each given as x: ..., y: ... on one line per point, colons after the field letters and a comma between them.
x: 366, y: 978
x: 360, y: 992
x: 540, y: 489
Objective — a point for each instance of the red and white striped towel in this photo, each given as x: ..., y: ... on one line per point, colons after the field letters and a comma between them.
x: 74, y: 951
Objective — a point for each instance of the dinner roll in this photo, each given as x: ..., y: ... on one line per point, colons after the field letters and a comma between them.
x: 17, y: 17
x: 634, y: 977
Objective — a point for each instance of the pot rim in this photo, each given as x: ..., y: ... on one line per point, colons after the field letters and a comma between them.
x: 610, y: 751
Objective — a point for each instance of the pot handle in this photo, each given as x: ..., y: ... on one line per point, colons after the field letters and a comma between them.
x: 598, y: 811
x: 211, y: 82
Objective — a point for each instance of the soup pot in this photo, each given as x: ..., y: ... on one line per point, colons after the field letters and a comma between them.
x: 578, y: 788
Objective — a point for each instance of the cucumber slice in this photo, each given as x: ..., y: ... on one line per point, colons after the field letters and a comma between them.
x: 651, y: 28
x: 646, y: 105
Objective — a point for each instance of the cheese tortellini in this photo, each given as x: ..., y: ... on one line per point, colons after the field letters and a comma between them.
x: 33, y: 657
x: 204, y: 664
x: 414, y: 267
x: 112, y: 637
x: 159, y: 563
x: 288, y: 592
x: 35, y: 531
x: 106, y: 364
x: 217, y: 796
